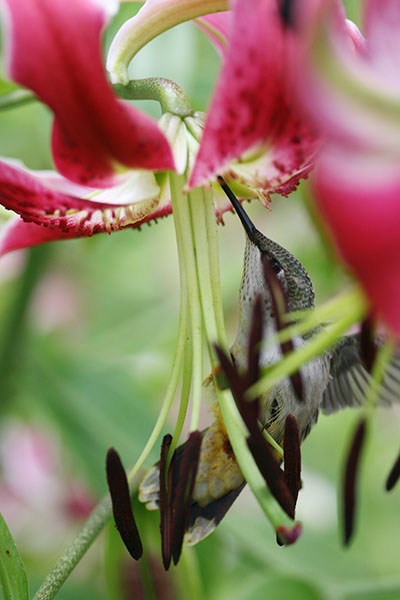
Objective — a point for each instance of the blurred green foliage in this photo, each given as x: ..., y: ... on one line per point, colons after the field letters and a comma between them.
x: 92, y: 361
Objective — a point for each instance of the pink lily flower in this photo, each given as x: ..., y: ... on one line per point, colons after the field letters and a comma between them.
x: 254, y: 134
x: 58, y: 56
x: 353, y: 86
x: 95, y: 136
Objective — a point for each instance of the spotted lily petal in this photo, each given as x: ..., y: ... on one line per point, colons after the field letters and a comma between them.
x: 253, y: 118
x: 54, y: 48
x: 41, y: 200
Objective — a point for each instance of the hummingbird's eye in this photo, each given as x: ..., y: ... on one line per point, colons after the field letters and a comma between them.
x: 276, y: 265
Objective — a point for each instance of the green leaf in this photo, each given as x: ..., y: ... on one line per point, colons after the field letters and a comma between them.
x: 377, y: 594
x: 278, y: 587
x: 13, y: 580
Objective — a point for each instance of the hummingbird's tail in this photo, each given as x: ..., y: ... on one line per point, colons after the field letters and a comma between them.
x: 218, y: 483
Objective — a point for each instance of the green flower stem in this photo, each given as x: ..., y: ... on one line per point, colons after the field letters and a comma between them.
x: 199, y: 224
x: 213, y: 256
x: 16, y: 98
x: 71, y: 557
x: 183, y: 229
x: 272, y: 442
x: 170, y: 96
x: 152, y: 20
x: 321, y: 342
x: 185, y: 393
x: 312, y: 318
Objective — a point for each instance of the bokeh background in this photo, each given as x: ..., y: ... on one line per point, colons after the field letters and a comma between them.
x: 87, y: 333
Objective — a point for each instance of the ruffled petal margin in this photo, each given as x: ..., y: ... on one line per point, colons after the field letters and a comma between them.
x: 51, y: 213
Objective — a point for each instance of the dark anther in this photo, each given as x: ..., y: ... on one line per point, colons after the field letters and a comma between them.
x: 368, y: 346
x: 280, y: 309
x: 184, y: 492
x: 286, y: 10
x: 121, y: 504
x: 176, y: 491
x: 166, y: 486
x: 394, y: 475
x: 350, y: 480
x: 292, y: 456
x: 249, y: 411
x: 270, y: 470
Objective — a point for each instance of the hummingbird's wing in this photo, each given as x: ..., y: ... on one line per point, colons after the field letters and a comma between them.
x: 349, y: 380
x: 202, y: 520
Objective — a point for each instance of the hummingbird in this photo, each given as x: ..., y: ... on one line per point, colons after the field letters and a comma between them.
x: 334, y: 380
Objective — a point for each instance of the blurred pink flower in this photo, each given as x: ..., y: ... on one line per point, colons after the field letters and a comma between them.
x: 351, y: 85
x: 37, y: 495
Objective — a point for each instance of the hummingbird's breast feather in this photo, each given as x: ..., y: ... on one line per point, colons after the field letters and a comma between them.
x: 218, y: 472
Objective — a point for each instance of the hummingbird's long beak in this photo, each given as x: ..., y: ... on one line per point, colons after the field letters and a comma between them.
x: 243, y: 216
